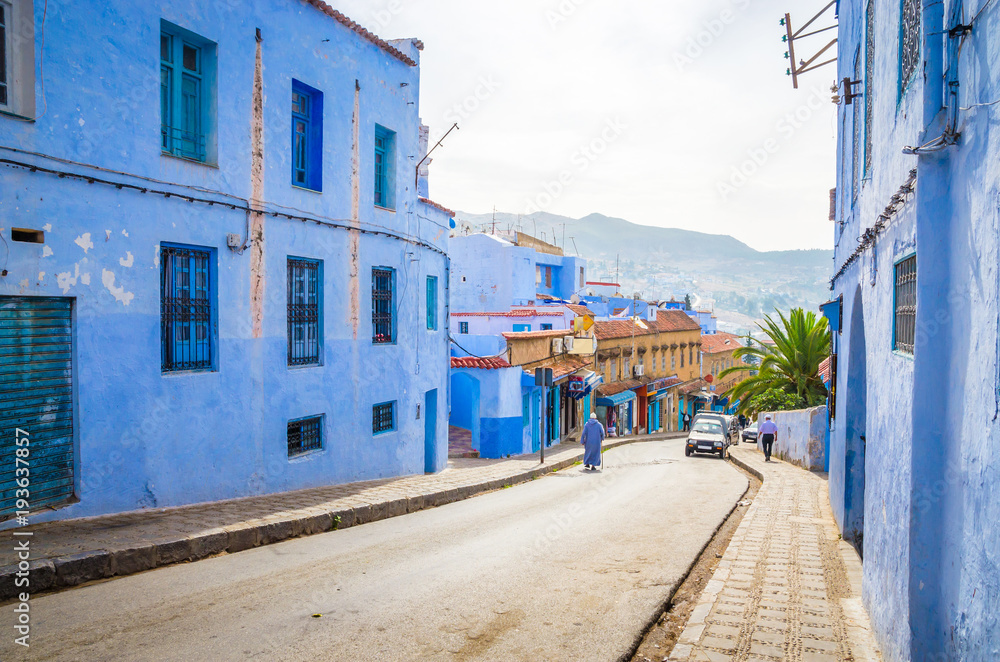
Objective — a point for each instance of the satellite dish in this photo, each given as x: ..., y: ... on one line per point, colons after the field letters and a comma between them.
x: 574, y: 299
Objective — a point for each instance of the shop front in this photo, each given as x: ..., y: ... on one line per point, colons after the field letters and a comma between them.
x: 617, y: 411
x: 654, y: 398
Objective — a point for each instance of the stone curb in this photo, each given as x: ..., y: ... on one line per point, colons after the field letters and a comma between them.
x: 79, y: 568
x: 746, y: 467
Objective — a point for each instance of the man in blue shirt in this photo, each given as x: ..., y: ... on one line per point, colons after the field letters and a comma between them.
x: 768, y: 432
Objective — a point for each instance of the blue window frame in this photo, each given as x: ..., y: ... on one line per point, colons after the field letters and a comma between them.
x: 383, y: 326
x: 304, y: 435
x: 384, y: 417
x: 522, y: 327
x: 187, y: 76
x: 305, y: 307
x: 904, y: 323
x: 187, y: 311
x: 432, y: 295
x: 385, y: 167
x: 463, y: 327
x: 546, y: 327
x: 307, y: 136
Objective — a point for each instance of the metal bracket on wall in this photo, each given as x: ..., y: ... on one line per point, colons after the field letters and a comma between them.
x: 789, y: 37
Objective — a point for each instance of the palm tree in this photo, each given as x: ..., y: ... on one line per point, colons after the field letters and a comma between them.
x: 789, y: 369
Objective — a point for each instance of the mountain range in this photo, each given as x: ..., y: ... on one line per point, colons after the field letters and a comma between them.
x: 721, y: 273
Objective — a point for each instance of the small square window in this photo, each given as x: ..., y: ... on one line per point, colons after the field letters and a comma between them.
x: 384, y: 417
x: 546, y: 327
x: 304, y: 435
x: 463, y: 327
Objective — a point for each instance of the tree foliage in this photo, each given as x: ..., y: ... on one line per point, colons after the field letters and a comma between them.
x: 790, y: 366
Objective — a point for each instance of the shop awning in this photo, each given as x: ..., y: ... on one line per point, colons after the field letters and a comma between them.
x: 583, y: 383
x: 616, y: 399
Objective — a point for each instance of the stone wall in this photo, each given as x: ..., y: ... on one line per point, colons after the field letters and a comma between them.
x: 803, y: 435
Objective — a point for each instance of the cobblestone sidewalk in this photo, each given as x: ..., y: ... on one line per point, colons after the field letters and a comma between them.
x: 787, y: 587
x: 77, y: 551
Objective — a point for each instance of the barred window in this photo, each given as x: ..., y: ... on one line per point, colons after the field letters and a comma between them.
x: 186, y: 327
x: 869, y: 82
x: 382, y: 313
x: 905, y: 305
x: 384, y: 417
x: 304, y: 435
x: 304, y: 306
x: 463, y: 327
x: 909, y: 42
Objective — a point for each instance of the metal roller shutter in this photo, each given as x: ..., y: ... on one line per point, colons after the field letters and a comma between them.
x: 36, y: 395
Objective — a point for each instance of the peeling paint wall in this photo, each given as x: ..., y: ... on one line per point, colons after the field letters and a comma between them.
x: 928, y: 462
x: 151, y: 439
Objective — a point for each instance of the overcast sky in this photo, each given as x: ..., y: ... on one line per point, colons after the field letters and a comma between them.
x: 639, y: 109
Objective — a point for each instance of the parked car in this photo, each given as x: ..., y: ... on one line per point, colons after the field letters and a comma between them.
x: 722, y: 419
x: 750, y: 433
x: 707, y: 436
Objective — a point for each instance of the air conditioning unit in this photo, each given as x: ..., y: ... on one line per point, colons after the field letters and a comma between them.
x: 557, y: 345
x: 568, y: 343
x: 638, y: 369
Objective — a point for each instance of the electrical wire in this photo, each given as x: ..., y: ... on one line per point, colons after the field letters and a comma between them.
x: 455, y: 342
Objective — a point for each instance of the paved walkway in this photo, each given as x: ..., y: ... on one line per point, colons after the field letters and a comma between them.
x: 72, y: 552
x: 787, y: 587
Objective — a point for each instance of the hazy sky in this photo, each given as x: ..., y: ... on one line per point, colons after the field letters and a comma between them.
x: 640, y: 109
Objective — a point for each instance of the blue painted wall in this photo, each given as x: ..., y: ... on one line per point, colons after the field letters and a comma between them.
x: 931, y: 472
x: 145, y: 438
x: 488, y: 402
x: 490, y: 274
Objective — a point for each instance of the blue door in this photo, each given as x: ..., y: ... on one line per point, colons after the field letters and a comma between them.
x: 430, y: 431
x: 36, y: 399
x: 536, y: 420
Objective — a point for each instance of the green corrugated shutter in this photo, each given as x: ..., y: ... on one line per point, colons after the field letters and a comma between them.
x: 36, y: 395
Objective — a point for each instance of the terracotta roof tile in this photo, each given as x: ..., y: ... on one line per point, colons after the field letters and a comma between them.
x: 824, y: 370
x: 605, y: 330
x: 675, y: 320
x: 431, y: 203
x: 364, y: 32
x: 561, y: 365
x: 554, y: 333
x: 692, y: 386
x: 578, y: 309
x: 485, y: 363
x: 614, y: 388
x: 713, y: 343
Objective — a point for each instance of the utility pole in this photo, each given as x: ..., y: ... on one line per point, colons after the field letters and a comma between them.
x: 494, y: 230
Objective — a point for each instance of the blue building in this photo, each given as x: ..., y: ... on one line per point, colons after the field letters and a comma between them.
x: 914, y: 474
x: 219, y: 278
x: 490, y: 273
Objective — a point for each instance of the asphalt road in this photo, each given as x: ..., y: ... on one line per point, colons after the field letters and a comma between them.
x: 568, y: 567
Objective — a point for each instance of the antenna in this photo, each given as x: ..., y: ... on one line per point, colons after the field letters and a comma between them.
x: 494, y: 230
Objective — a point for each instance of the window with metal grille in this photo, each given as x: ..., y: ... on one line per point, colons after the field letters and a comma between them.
x: 856, y: 133
x: 463, y: 327
x: 187, y: 65
x: 186, y: 324
x: 905, y: 305
x: 909, y: 42
x: 432, y: 296
x: 304, y: 309
x: 869, y: 82
x: 384, y: 417
x: 304, y: 435
x: 382, y: 307
x: 385, y: 169
x: 5, y: 55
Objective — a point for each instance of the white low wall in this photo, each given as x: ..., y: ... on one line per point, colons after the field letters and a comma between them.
x: 802, y: 436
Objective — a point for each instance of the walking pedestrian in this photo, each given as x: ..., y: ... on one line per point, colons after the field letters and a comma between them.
x: 687, y: 422
x: 592, y: 440
x: 768, y: 435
